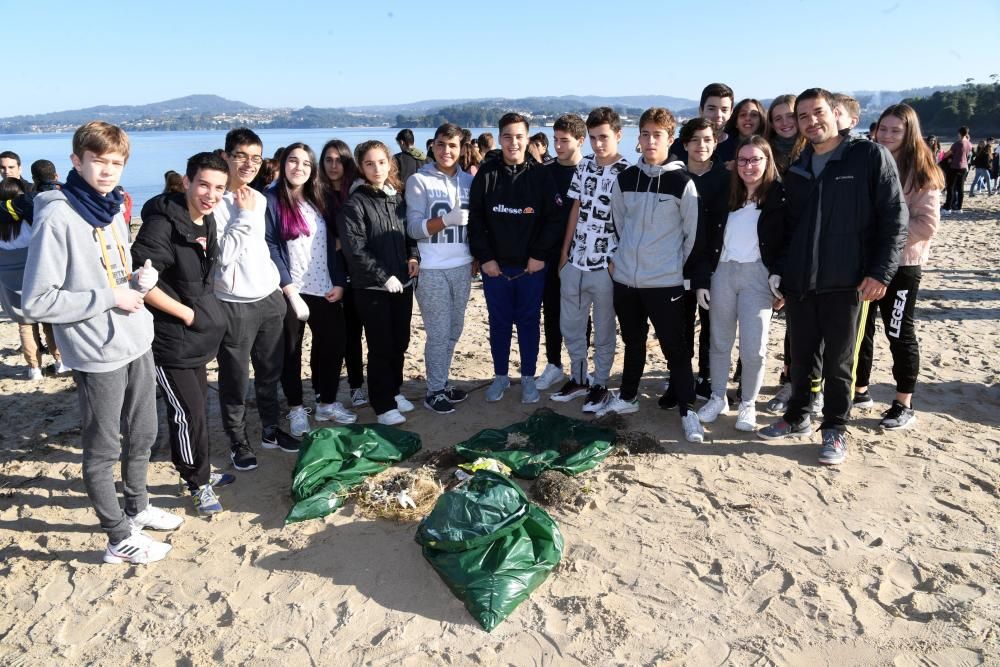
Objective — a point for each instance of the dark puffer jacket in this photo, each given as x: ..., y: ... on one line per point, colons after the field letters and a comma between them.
x: 857, y: 207
x: 372, y: 228
x: 173, y: 243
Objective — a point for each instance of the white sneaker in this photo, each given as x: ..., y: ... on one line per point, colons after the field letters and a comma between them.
x: 550, y: 376
x: 617, y: 404
x: 155, y: 518
x: 391, y: 418
x: 747, y: 419
x: 299, y: 419
x: 334, y: 412
x: 717, y: 405
x: 693, y: 432
x: 62, y: 368
x: 402, y: 404
x: 34, y: 374
x: 136, y: 548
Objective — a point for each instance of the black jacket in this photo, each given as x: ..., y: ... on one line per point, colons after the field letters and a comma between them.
x: 186, y: 267
x: 857, y: 206
x: 408, y: 163
x: 713, y: 203
x: 372, y: 228
x: 513, y: 214
x: 771, y: 229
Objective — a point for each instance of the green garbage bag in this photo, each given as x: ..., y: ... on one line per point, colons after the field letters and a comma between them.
x: 546, y: 441
x: 334, y: 460
x: 490, y: 545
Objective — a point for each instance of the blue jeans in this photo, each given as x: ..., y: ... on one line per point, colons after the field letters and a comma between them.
x: 514, y: 297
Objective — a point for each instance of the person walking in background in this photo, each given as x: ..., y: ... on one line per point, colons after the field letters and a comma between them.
x: 409, y: 159
x: 437, y: 216
x: 957, y: 159
x: 899, y: 131
x: 246, y: 284
x: 982, y: 161
x: 740, y: 256
x: 384, y: 262
x: 338, y: 174
x: 303, y: 246
x: 846, y: 229
x: 514, y: 228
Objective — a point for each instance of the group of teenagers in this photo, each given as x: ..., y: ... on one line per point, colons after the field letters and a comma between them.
x: 747, y: 212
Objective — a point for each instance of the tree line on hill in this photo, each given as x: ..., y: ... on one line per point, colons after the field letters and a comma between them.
x: 974, y: 105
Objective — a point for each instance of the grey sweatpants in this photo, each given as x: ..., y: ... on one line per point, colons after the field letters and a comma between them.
x: 579, y: 291
x: 125, y: 396
x: 740, y: 294
x: 443, y: 295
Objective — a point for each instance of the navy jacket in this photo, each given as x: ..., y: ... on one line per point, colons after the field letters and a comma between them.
x: 279, y: 247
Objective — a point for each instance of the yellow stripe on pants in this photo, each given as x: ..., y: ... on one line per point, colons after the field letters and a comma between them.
x: 862, y: 318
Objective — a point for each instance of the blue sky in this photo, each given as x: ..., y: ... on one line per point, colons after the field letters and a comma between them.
x: 292, y: 53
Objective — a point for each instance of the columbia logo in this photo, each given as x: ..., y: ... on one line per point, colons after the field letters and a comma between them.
x: 844, y: 178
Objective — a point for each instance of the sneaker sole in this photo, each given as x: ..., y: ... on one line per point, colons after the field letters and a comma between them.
x: 337, y: 420
x: 746, y: 427
x: 112, y: 559
x: 793, y: 434
x: 901, y: 427
x: 833, y: 462
x: 440, y: 412
x: 531, y: 401
x: 393, y: 423
x: 498, y: 398
x: 712, y: 420
x: 271, y: 445
x: 694, y: 438
x: 592, y: 408
x: 865, y: 405
x: 566, y: 398
x: 239, y: 467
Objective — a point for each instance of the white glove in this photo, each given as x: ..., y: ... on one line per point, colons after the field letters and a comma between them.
x: 774, y: 282
x: 298, y: 305
x: 456, y: 217
x: 393, y: 286
x: 703, y: 297
x: 146, y: 277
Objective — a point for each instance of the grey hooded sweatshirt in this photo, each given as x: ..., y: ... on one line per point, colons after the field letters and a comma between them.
x: 69, y: 281
x: 430, y: 193
x: 655, y: 213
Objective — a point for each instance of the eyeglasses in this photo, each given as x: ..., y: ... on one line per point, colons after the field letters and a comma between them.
x: 240, y: 158
x: 750, y: 161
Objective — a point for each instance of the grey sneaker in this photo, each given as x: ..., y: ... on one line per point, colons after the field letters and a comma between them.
x: 898, y: 416
x: 779, y: 403
x: 529, y: 391
x: 816, y: 403
x: 834, y: 447
x: 782, y: 429
x: 496, y: 390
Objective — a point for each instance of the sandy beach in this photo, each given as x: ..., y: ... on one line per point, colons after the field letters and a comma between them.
x: 731, y: 552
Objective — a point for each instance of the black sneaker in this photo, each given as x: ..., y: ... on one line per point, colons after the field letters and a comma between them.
x: 703, y: 389
x: 275, y: 438
x: 242, y: 456
x: 439, y: 403
x: 596, y: 398
x: 898, y: 416
x: 668, y: 401
x: 572, y: 389
x: 863, y: 399
x: 454, y: 394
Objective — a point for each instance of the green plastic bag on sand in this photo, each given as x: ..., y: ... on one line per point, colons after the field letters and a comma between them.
x: 334, y: 460
x: 546, y: 441
x: 490, y: 545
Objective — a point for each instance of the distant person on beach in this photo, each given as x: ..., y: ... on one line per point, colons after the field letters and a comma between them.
x: 514, y: 228
x: 437, y: 216
x: 846, y: 230
x: 303, y: 244
x: 45, y: 176
x: 716, y: 106
x: 173, y: 182
x: 79, y: 277
x: 569, y: 132
x: 384, y: 263
x: 655, y: 209
x: 16, y: 218
x: 899, y: 131
x: 539, y: 148
x: 247, y: 286
x: 982, y: 161
x: 178, y: 238
x: 587, y: 247
x: 10, y: 167
x: 957, y: 158
x: 409, y: 159
x: 486, y: 143
x: 338, y: 174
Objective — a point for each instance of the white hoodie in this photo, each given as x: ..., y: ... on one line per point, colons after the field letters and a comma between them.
x: 430, y: 193
x: 245, y: 271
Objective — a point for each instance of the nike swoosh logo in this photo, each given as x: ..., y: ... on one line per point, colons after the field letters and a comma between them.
x: 675, y: 298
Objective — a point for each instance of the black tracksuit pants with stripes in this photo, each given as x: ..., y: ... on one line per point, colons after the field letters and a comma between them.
x: 185, y: 391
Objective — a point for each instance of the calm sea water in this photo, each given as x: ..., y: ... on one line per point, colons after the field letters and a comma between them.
x: 153, y: 153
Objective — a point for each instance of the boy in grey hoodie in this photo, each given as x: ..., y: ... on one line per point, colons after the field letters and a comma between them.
x: 437, y: 215
x: 78, y: 277
x: 654, y: 206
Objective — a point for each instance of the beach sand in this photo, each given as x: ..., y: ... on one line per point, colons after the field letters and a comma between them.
x: 734, y: 551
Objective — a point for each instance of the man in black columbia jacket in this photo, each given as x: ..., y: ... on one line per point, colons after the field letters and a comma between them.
x: 178, y: 238
x: 847, y: 225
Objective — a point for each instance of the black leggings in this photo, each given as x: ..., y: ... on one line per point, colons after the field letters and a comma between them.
x: 353, y: 358
x: 897, y: 308
x: 326, y: 321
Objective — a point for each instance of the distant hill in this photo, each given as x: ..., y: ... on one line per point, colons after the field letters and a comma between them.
x: 192, y: 105
x: 425, y: 106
